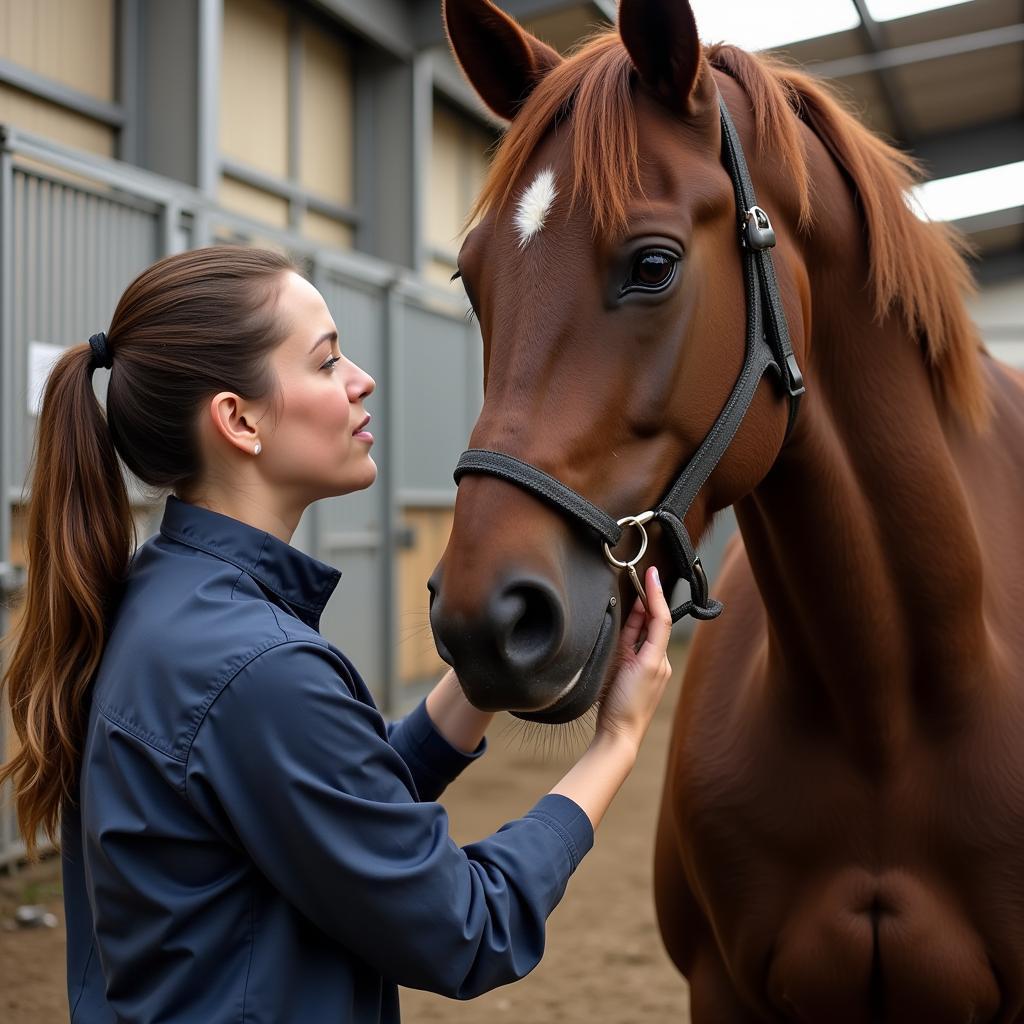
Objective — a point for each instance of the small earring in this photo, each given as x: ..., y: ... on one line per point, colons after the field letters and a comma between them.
x: 257, y: 449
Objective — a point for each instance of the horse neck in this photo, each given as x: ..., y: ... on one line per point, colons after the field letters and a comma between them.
x: 860, y: 537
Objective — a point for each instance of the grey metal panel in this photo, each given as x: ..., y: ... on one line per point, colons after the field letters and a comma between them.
x: 436, y: 378
x: 74, y: 253
x: 350, y: 531
x: 352, y: 617
x: 422, y: 142
x: 359, y: 315
x: 168, y: 88
x: 388, y: 23
x: 211, y: 21
x: 386, y: 168
x: 128, y: 79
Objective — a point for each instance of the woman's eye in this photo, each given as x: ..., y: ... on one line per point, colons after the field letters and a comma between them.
x: 329, y: 365
x: 652, y: 270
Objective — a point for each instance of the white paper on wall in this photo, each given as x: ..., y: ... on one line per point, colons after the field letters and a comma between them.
x: 41, y: 357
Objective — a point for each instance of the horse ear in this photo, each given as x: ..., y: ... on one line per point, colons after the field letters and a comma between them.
x: 502, y: 61
x: 661, y: 38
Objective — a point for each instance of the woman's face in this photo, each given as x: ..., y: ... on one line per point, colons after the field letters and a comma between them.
x: 314, y: 449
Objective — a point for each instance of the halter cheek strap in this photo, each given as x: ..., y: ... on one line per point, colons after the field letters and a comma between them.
x: 767, y: 346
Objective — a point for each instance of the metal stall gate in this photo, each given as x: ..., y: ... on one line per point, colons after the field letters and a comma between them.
x: 75, y: 229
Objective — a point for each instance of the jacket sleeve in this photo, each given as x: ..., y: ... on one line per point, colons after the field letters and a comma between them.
x: 431, y: 759
x: 288, y: 763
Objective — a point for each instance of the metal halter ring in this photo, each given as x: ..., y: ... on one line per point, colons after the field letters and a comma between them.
x: 630, y: 566
x: 638, y: 522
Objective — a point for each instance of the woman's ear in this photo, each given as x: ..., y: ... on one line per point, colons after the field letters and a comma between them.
x: 661, y: 39
x: 501, y: 60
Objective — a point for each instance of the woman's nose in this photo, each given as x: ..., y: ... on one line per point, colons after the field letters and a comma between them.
x: 363, y: 385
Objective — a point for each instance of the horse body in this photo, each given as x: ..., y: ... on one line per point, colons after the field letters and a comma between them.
x: 842, y: 826
x: 833, y: 853
x: 841, y: 836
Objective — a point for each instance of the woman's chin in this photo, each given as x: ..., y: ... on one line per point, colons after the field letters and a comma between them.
x: 360, y: 480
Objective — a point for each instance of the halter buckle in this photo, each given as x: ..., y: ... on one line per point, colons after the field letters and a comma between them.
x: 700, y: 594
x: 757, y: 232
x: 796, y: 378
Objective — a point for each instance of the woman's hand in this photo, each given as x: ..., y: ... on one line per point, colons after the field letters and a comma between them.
x: 461, y: 724
x: 644, y: 670
x: 626, y: 709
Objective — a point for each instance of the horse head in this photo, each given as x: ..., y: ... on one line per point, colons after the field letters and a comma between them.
x: 606, y: 273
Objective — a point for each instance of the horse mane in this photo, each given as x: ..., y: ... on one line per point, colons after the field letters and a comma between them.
x: 915, y: 265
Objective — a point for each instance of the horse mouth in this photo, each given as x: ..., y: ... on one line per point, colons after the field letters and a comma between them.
x: 583, y: 689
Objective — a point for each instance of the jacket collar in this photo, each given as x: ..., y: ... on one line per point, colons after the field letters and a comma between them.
x: 304, y: 583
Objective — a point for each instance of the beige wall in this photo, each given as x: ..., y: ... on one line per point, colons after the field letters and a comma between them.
x: 326, y: 130
x: 254, y: 115
x: 417, y: 656
x: 458, y: 164
x: 254, y: 85
x: 72, y: 42
x: 327, y: 230
x: 253, y: 202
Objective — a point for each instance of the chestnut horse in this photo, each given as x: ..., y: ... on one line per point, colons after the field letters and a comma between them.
x: 842, y: 828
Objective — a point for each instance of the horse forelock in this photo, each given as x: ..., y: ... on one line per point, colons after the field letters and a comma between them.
x: 592, y: 87
x: 916, y: 266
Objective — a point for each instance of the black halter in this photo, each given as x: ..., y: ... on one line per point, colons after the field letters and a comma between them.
x: 768, y: 346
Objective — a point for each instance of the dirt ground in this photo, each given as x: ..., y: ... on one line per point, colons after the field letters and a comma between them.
x: 604, y: 962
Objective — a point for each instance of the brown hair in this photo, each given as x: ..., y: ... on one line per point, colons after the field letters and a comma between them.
x: 187, y: 327
x: 916, y: 266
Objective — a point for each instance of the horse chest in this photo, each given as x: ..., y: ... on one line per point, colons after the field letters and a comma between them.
x: 798, y: 860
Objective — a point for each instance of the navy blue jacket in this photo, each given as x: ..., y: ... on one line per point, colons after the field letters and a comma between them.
x: 252, y: 841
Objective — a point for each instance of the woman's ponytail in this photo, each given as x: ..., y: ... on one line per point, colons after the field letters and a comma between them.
x: 79, y: 537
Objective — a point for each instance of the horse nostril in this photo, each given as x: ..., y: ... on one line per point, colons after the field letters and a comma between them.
x: 529, y: 624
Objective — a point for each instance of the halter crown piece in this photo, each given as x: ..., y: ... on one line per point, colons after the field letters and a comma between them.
x: 100, y: 352
x: 767, y: 347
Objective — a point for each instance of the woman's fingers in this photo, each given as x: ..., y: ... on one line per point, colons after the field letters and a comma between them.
x: 659, y: 620
x: 642, y: 628
x: 633, y: 625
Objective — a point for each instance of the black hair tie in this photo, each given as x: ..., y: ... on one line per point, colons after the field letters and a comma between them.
x: 100, y: 353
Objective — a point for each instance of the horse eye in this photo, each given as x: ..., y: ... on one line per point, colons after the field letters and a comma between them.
x: 652, y: 270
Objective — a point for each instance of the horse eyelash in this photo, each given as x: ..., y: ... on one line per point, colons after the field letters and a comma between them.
x: 471, y: 312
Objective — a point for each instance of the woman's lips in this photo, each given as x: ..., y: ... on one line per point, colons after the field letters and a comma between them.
x: 361, y: 433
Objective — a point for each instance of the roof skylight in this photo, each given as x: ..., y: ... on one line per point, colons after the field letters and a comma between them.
x: 756, y: 25
x: 887, y: 10
x: 971, y: 194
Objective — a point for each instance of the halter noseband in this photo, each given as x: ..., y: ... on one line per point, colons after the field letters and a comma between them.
x: 767, y: 346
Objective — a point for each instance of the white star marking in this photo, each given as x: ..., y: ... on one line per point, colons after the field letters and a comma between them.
x: 534, y: 205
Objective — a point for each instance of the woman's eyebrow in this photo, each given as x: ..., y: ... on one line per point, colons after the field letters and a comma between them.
x: 329, y: 336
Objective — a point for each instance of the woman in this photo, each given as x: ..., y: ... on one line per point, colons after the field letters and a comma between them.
x: 243, y: 837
